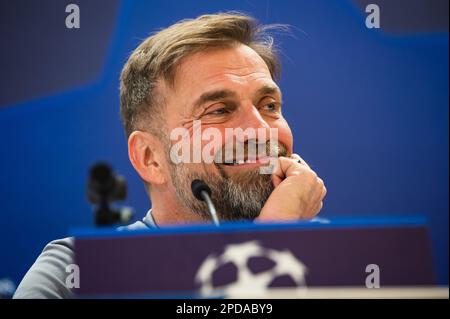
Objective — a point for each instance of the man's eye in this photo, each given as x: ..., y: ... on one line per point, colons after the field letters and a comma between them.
x: 271, y: 107
x: 220, y: 111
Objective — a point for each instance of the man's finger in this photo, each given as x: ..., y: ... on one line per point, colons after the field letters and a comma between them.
x: 286, y: 167
x: 298, y: 158
x: 324, y: 192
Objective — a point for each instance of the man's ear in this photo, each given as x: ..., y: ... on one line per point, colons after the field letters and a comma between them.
x: 146, y: 153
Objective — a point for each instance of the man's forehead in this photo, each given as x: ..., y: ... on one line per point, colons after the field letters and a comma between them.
x: 216, y: 66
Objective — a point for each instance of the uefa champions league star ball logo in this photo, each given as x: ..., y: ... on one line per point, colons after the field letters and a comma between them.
x: 249, y: 269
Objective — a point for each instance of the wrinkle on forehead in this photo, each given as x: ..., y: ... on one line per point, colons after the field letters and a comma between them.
x: 237, y: 76
x: 202, y: 67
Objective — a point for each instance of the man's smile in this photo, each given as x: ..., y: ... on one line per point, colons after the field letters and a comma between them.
x: 248, y: 162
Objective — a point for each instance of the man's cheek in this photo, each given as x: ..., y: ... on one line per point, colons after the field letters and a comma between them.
x: 211, y: 149
x: 285, y: 135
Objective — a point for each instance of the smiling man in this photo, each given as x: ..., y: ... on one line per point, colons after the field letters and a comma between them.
x: 219, y: 70
x: 214, y: 72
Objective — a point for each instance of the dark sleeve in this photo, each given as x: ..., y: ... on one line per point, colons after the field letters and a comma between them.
x: 46, y: 279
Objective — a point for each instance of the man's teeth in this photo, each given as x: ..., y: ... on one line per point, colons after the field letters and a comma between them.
x: 240, y: 162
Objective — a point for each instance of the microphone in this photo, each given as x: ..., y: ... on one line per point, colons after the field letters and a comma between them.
x: 202, y: 192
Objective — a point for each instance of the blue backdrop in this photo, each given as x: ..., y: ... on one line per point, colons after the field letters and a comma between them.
x: 368, y: 109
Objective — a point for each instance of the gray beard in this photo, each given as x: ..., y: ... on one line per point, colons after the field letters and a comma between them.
x: 237, y: 197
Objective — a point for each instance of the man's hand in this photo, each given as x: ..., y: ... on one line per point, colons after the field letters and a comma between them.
x: 298, y: 192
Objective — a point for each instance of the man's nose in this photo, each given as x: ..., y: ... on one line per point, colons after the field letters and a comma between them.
x: 251, y: 120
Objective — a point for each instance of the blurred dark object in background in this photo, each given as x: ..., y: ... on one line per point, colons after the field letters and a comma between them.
x: 105, y: 187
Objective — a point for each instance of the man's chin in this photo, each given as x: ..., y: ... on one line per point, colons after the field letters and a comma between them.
x: 244, y: 194
x: 238, y: 194
x: 235, y: 173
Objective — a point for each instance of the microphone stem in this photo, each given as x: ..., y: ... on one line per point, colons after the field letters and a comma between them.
x: 211, y: 208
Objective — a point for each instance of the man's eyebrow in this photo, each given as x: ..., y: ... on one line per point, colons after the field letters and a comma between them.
x: 213, y: 96
x: 268, y: 90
